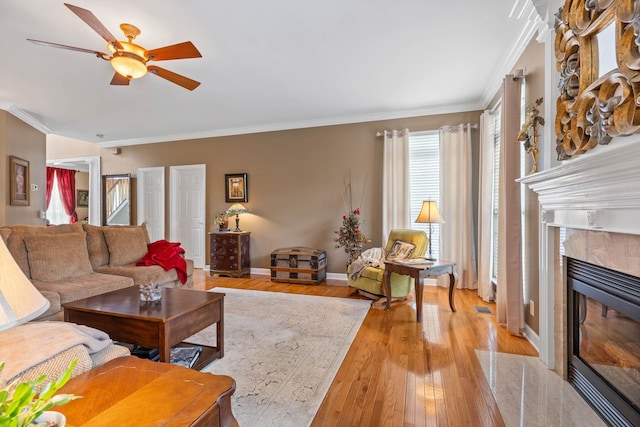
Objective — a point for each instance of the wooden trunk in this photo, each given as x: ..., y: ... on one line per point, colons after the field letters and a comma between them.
x: 299, y: 265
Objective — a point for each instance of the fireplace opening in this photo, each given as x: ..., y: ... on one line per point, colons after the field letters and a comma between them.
x: 604, y: 340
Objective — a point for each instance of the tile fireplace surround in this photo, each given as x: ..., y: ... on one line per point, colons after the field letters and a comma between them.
x: 595, y: 198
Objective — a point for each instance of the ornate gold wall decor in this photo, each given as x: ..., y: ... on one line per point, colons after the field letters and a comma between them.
x: 591, y: 108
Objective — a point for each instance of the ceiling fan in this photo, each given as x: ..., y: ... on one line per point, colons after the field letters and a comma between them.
x: 128, y: 59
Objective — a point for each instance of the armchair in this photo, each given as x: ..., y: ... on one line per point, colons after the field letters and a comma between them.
x: 370, y: 279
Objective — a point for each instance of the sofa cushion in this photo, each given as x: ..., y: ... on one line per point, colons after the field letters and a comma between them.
x: 4, y: 233
x: 16, y: 245
x: 55, y: 257
x: 54, y: 303
x: 79, y: 287
x: 142, y: 275
x: 96, y: 245
x: 126, y: 245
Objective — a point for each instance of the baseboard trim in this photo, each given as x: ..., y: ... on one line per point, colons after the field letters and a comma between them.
x: 532, y: 337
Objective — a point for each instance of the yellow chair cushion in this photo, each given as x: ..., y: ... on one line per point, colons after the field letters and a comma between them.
x: 370, y: 279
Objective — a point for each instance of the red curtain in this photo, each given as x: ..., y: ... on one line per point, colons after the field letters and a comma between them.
x: 67, y: 186
x: 50, y: 173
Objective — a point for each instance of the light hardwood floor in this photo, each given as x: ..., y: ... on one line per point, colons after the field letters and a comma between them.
x: 402, y: 373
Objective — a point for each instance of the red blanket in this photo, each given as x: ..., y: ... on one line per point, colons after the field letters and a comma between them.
x: 167, y: 255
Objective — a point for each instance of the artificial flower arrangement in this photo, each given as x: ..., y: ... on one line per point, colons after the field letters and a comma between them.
x: 529, y: 132
x: 349, y: 235
x: 222, y: 219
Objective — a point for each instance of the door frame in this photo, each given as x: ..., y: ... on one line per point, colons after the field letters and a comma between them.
x: 95, y: 184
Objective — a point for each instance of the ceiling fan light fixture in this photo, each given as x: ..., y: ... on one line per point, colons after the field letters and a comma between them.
x: 129, y: 62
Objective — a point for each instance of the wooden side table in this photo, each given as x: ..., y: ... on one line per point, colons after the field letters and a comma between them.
x: 129, y: 391
x: 230, y: 253
x: 419, y: 272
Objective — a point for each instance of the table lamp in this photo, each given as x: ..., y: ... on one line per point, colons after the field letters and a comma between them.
x: 237, y: 209
x: 429, y: 214
x: 20, y: 301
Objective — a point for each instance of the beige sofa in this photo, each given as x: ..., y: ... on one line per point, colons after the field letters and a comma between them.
x: 70, y: 262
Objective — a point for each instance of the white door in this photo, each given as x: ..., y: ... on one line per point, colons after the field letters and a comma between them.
x: 187, y: 200
x: 150, y: 195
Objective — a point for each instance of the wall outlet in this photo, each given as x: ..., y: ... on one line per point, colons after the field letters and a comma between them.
x: 532, y: 308
x: 34, y: 187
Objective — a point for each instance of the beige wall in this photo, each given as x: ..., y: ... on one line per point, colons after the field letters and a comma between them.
x: 21, y: 140
x: 295, y: 177
x: 82, y: 183
x: 532, y: 62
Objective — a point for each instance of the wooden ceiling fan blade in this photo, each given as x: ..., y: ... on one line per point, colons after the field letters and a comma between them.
x: 119, y: 80
x: 102, y: 55
x: 90, y: 19
x: 182, y: 50
x: 178, y: 79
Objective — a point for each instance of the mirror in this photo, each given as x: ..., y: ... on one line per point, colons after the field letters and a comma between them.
x: 116, y: 199
x: 597, y: 56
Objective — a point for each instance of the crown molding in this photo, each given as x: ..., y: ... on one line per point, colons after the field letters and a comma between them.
x: 25, y: 117
x: 523, y: 10
x: 334, y: 121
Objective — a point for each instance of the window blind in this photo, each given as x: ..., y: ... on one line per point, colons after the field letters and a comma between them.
x: 424, y: 179
x: 495, y: 194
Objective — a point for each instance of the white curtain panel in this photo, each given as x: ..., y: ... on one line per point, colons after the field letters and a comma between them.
x: 509, y: 299
x: 395, y: 182
x: 485, y: 212
x: 457, y: 235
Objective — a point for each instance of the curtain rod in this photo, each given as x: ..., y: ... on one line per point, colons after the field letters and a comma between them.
x: 379, y: 134
x: 473, y: 126
x: 456, y: 128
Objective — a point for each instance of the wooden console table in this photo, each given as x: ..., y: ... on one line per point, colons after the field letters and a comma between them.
x: 419, y: 272
x: 129, y: 391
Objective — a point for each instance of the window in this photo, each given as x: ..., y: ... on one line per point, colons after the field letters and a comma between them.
x: 424, y: 179
x: 495, y: 130
x: 56, y: 213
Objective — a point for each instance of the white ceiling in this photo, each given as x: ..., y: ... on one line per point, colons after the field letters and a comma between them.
x: 266, y: 65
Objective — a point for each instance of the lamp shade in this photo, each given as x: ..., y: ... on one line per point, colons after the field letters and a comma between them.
x: 429, y: 213
x: 236, y: 209
x: 20, y: 301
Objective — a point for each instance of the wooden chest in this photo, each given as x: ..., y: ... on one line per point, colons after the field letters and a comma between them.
x: 299, y: 265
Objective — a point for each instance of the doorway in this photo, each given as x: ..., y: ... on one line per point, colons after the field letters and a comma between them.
x: 92, y: 166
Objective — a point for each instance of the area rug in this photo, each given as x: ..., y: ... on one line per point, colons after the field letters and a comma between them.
x: 283, y: 350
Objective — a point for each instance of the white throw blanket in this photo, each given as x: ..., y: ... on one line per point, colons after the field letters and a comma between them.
x: 25, y: 346
x: 373, y: 257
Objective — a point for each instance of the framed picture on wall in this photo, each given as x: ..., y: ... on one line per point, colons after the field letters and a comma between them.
x: 235, y: 189
x: 18, y: 182
x: 82, y: 198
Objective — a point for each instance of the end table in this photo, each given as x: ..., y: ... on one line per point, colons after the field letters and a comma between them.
x: 419, y: 272
x: 229, y: 253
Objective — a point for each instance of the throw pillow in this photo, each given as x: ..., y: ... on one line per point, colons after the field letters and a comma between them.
x: 57, y: 256
x: 401, y: 250
x: 97, y: 245
x: 127, y: 245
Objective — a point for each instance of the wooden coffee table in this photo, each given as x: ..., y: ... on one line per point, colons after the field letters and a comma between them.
x: 161, y: 324
x: 129, y: 391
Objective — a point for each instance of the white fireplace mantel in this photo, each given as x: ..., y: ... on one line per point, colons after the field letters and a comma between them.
x: 599, y: 190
